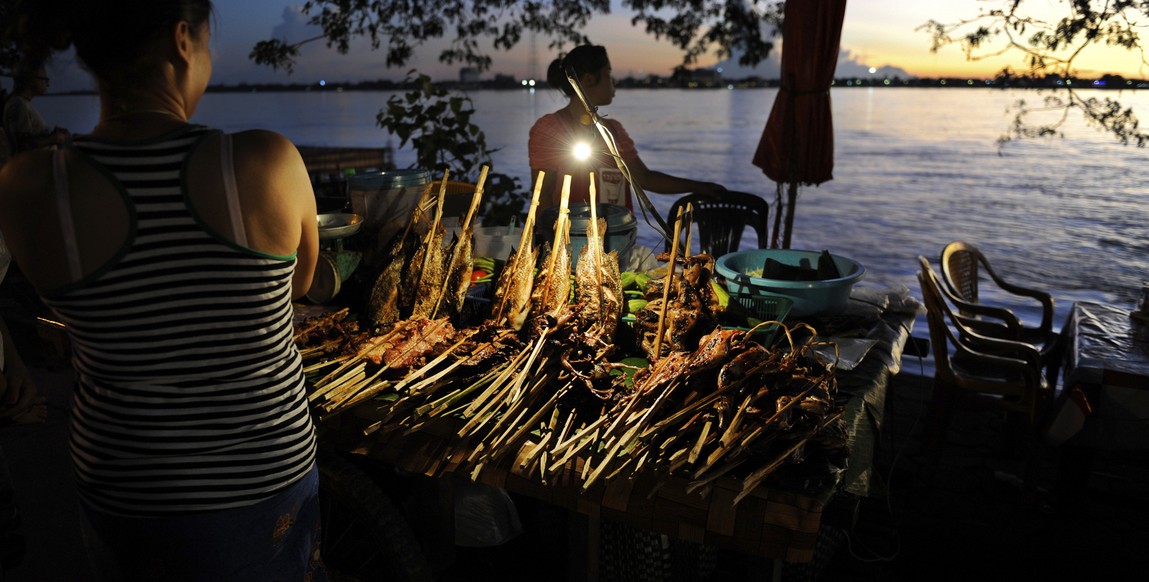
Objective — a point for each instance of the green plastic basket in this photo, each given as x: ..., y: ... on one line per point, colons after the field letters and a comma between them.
x: 764, y: 307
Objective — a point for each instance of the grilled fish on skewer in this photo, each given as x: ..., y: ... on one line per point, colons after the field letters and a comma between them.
x: 458, y: 264
x: 513, y: 294
x: 598, y: 292
x: 513, y: 291
x: 457, y: 278
x: 428, y: 281
x: 552, y: 286
x: 384, y: 301
x: 598, y: 282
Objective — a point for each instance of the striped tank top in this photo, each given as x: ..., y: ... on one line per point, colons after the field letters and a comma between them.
x: 190, y: 393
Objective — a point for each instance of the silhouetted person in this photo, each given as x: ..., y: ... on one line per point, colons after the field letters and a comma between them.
x: 554, y: 136
x: 25, y: 128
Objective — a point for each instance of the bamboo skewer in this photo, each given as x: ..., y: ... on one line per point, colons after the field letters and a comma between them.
x: 751, y: 482
x: 688, y: 221
x: 595, y: 236
x: 357, y: 358
x: 666, y: 287
x: 357, y: 390
x: 542, y: 451
x: 338, y: 315
x: 570, y: 447
x: 481, y: 409
x: 434, y: 223
x: 596, y: 252
x: 517, y: 431
x: 443, y: 402
x: 629, y: 434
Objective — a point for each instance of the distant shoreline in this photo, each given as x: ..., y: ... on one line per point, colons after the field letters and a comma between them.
x: 696, y: 81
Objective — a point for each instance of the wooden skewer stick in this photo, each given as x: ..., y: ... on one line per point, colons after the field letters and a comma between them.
x: 666, y: 287
x: 561, y: 447
x: 482, y: 409
x: 322, y: 384
x: 365, y: 389
x: 416, y: 214
x: 317, y: 322
x: 630, y: 434
x: 333, y: 389
x: 754, y: 479
x: 482, y: 402
x: 413, y: 376
x: 688, y: 220
x: 343, y: 399
x: 477, y: 197
x: 595, y: 238
x: 512, y: 436
x: 550, y: 449
x: 447, y: 400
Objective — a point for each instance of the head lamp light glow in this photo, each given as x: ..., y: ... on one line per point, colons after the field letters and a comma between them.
x: 582, y: 151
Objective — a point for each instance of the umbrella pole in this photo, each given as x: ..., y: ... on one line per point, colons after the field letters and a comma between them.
x: 778, y: 207
x: 791, y: 199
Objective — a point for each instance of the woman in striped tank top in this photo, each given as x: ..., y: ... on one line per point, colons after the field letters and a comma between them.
x: 172, y: 252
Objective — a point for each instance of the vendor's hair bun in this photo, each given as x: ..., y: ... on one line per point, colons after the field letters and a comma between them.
x: 587, y: 58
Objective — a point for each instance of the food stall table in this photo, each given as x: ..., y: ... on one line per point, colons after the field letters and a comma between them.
x: 1104, y: 401
x: 780, y: 519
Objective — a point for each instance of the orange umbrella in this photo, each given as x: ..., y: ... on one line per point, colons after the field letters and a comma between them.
x: 797, y: 146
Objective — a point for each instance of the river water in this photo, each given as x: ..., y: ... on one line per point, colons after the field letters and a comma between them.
x: 914, y: 169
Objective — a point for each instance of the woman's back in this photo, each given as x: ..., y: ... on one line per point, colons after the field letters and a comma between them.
x: 189, y: 381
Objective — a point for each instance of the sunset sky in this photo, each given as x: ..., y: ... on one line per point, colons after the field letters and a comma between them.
x: 877, y: 33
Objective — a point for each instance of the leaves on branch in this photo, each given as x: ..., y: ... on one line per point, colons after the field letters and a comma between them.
x: 399, y: 26
x: 438, y: 125
x: 1050, y: 49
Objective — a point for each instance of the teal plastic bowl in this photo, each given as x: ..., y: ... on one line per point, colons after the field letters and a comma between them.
x: 809, y: 297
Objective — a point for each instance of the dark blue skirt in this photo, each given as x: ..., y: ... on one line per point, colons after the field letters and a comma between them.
x: 274, y: 540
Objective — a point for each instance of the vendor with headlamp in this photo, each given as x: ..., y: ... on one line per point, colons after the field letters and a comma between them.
x: 568, y: 142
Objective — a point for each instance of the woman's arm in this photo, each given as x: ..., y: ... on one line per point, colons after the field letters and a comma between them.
x: 58, y: 136
x: 663, y: 183
x: 278, y: 202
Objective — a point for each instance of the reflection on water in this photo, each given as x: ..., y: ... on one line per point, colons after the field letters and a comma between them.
x: 914, y: 169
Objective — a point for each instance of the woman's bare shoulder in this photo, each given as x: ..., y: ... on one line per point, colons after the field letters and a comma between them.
x: 270, y: 145
x: 25, y: 177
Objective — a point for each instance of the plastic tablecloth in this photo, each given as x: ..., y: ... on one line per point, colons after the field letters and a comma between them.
x: 1104, y: 401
